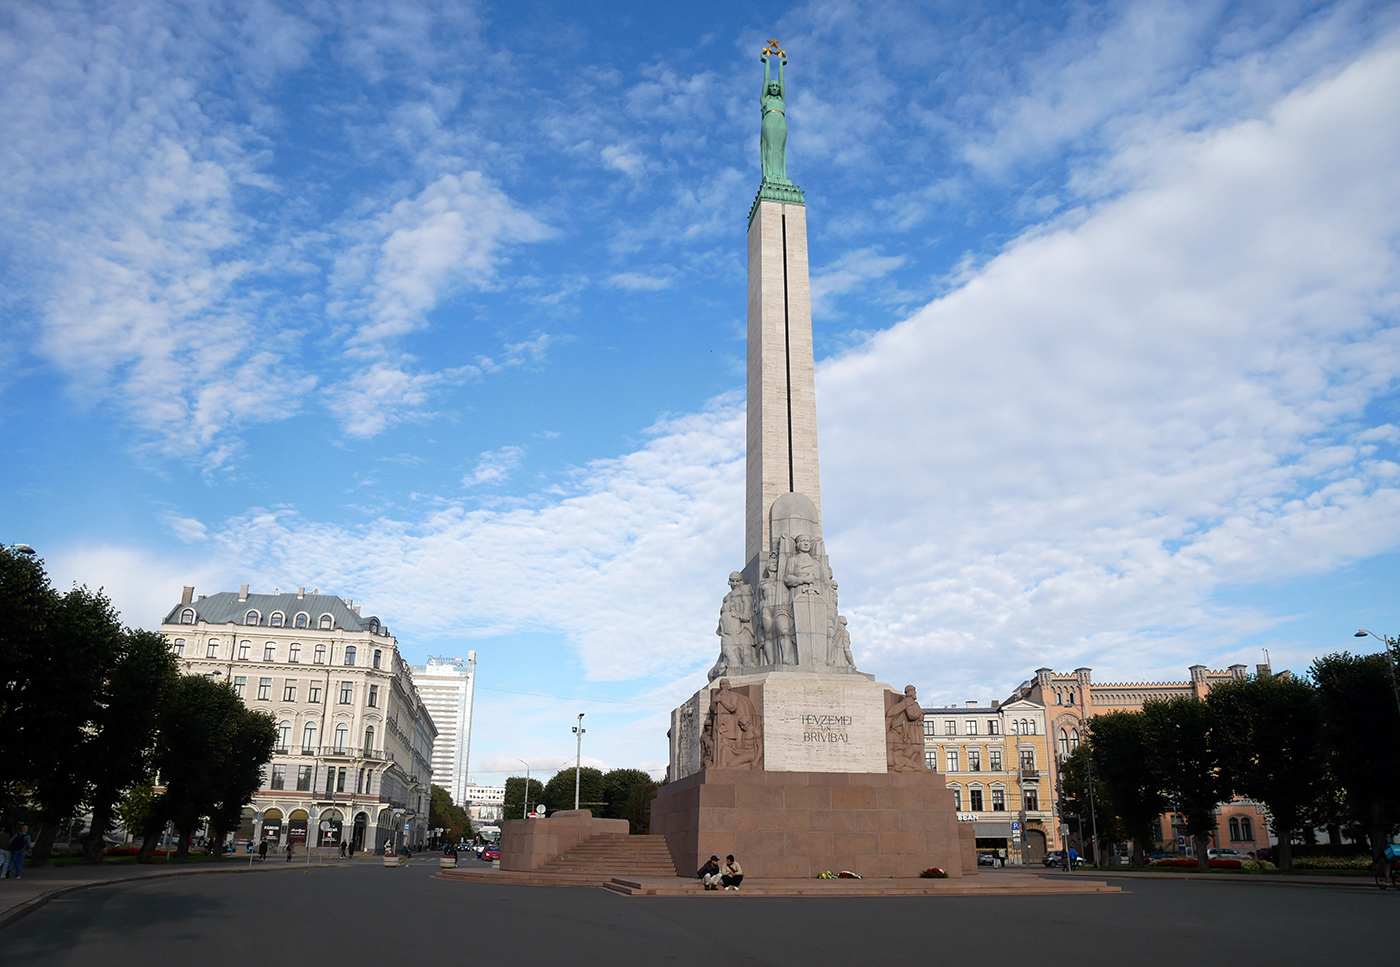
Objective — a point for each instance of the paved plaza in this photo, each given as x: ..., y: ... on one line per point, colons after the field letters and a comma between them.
x: 365, y: 914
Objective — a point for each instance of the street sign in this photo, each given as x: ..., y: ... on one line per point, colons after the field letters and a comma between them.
x: 1015, y: 824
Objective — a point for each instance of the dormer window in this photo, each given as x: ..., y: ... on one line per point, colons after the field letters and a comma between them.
x: 303, y: 619
x: 374, y: 626
x: 325, y: 622
x: 252, y: 618
x: 276, y: 619
x: 187, y: 616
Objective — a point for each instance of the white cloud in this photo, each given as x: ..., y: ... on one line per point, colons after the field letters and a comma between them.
x: 1060, y: 461
x: 850, y: 271
x: 186, y: 529
x: 639, y: 282
x: 495, y: 466
x: 449, y: 236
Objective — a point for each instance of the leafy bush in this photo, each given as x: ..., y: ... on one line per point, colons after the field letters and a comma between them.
x: 934, y: 873
x: 1258, y: 866
x: 1356, y: 862
x: 1187, y: 864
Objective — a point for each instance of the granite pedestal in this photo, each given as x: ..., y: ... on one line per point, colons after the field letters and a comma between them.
x: 798, y: 824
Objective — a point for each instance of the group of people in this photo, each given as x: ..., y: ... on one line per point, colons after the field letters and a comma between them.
x: 13, y: 845
x: 715, y: 876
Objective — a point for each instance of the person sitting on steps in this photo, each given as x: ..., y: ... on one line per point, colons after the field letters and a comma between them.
x: 709, y: 873
x: 732, y: 874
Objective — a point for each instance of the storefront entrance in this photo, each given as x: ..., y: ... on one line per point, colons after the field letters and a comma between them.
x: 296, y: 827
x: 272, y: 825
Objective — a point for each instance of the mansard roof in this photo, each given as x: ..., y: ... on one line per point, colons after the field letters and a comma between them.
x: 224, y: 606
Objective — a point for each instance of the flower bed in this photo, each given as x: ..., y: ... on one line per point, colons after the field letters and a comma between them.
x: 1190, y: 864
x: 1359, y: 862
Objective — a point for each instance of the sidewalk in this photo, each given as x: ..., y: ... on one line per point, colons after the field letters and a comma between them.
x: 38, y: 885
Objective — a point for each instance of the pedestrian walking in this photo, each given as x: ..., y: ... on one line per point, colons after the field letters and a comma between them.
x: 289, y: 851
x: 262, y: 852
x: 1073, y: 858
x: 19, y: 842
x: 342, y: 849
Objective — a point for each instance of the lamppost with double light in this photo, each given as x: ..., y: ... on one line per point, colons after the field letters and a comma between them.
x: 578, y: 757
x: 525, y: 809
x: 1390, y: 645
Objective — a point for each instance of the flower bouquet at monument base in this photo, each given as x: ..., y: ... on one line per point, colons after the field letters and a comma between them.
x: 843, y: 875
x: 934, y: 873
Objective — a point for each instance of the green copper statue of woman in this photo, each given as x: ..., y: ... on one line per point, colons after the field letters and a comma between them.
x: 773, y: 136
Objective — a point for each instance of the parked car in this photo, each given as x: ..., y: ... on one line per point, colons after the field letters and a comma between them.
x: 1224, y: 853
x: 1160, y: 855
x: 986, y: 859
x: 1057, y: 858
x: 491, y: 853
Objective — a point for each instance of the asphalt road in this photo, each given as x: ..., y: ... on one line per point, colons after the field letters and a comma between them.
x: 365, y: 914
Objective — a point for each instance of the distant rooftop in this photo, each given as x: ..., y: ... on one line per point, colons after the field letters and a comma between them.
x: 274, y: 611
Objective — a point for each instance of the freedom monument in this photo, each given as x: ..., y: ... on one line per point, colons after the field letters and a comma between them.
x: 791, y: 758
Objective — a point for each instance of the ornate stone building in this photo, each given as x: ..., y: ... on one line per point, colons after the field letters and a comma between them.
x: 996, y: 759
x: 1072, y: 698
x: 355, y: 741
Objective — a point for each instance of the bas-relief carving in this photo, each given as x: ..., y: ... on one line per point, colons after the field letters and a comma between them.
x: 733, y: 734
x: 793, y: 622
x: 904, y: 732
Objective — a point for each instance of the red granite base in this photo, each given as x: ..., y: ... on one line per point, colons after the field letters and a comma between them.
x: 797, y: 824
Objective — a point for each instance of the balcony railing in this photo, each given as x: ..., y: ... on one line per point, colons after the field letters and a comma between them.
x: 1030, y: 774
x: 349, y: 751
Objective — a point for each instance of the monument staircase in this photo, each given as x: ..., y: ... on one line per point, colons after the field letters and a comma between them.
x: 615, y: 855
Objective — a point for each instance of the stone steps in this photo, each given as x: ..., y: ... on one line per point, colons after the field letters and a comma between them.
x: 625, y: 855
x: 955, y: 886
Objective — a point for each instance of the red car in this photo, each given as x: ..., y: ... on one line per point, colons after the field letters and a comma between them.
x: 491, y: 853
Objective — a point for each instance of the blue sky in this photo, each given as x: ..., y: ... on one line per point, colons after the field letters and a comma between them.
x: 440, y: 307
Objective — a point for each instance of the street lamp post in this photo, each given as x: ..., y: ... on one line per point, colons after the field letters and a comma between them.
x: 525, y: 810
x: 1390, y: 644
x: 578, y: 757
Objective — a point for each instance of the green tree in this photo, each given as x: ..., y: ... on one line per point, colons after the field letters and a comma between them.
x: 1186, y: 758
x: 1077, y: 800
x: 515, y: 796
x: 209, y: 754
x: 137, y: 809
x: 1360, y: 723
x: 559, y: 791
x: 443, y: 813
x: 1269, y: 732
x: 617, y: 789
x: 60, y: 714
x: 1125, y: 772
x: 118, y: 750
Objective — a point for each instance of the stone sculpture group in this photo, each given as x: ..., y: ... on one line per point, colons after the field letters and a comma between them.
x: 793, y: 621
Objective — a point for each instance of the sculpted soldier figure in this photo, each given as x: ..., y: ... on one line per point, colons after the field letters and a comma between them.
x: 841, y: 645
x: 804, y: 572
x: 904, y: 733
x: 776, y: 617
x: 735, y: 628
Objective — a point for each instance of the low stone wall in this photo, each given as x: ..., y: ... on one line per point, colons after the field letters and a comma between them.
x: 797, y: 824
x: 528, y: 844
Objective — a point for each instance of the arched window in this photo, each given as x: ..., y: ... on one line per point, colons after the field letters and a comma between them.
x: 302, y: 619
x: 342, y: 735
x: 270, y: 651
x: 252, y: 618
x: 1074, y: 739
x: 349, y: 654
x: 320, y: 654
x: 1032, y: 731
x: 1015, y: 727
x: 211, y: 648
x: 276, y: 619
x: 187, y: 616
x: 1246, y: 829
x: 369, y: 739
x: 178, y: 645
x: 284, y: 735
x: 1234, y: 829
x: 308, y: 738
x: 377, y: 655
x: 294, y: 653
x: 1064, y: 743
x: 325, y: 622
x: 374, y: 626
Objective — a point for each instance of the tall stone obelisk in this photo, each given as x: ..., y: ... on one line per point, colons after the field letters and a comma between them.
x: 782, y: 398
x: 790, y: 757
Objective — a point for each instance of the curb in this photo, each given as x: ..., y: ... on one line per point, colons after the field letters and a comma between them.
x: 34, y: 903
